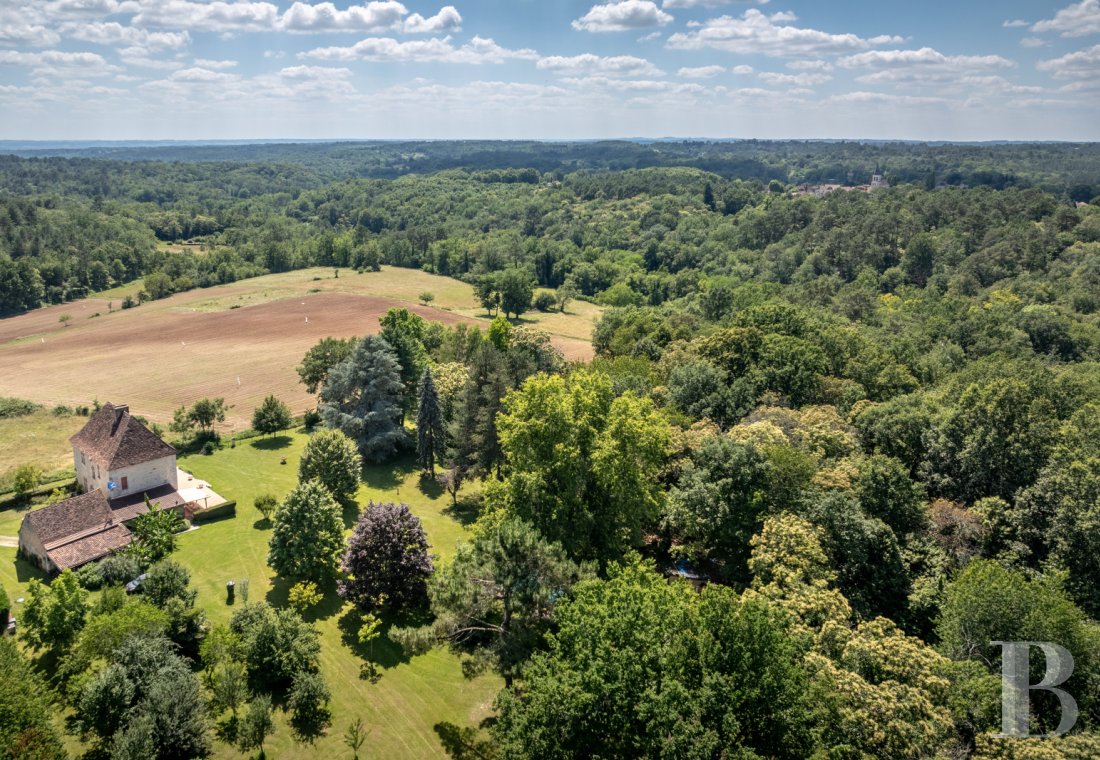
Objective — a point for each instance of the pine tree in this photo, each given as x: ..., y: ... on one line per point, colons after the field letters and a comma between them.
x: 363, y: 397
x: 430, y: 442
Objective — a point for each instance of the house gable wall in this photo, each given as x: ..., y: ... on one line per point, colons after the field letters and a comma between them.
x: 143, y: 477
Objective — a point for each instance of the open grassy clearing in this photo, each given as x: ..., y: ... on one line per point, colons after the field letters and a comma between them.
x: 41, y: 438
x: 239, y: 341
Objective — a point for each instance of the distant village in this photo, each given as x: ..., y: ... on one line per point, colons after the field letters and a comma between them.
x: 878, y: 182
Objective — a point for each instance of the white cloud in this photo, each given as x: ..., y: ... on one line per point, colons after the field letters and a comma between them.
x: 810, y: 65
x: 216, y: 16
x: 1082, y: 64
x: 587, y: 63
x: 199, y: 74
x: 476, y: 51
x: 795, y: 80
x: 1076, y: 20
x: 207, y: 63
x: 446, y: 20
x: 924, y: 56
x: 928, y: 68
x: 57, y: 62
x: 88, y: 8
x: 706, y: 3
x: 743, y: 69
x: 757, y: 34
x: 1014, y: 23
x: 314, y: 72
x: 881, y: 98
x: 326, y: 17
x: 622, y: 16
x: 140, y: 56
x: 17, y: 30
x: 650, y: 37
x: 276, y: 54
x: 112, y: 33
x: 700, y: 72
x: 1032, y: 42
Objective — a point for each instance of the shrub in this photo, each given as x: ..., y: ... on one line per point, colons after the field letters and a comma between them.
x: 62, y: 411
x: 265, y: 504
x: 209, y: 448
x: 304, y: 595
x: 117, y: 569
x: 90, y: 576
x: 16, y: 407
x: 545, y: 301
x: 311, y: 419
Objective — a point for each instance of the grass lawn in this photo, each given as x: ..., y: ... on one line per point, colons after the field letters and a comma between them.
x: 40, y: 438
x: 413, y: 695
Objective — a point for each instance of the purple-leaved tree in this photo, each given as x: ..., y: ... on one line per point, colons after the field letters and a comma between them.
x: 387, y: 558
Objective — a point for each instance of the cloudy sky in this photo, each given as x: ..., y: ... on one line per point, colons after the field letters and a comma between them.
x: 198, y: 69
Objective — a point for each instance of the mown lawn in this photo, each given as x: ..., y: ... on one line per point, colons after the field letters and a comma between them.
x: 413, y: 695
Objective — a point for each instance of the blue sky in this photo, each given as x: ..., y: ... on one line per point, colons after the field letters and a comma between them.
x: 198, y: 69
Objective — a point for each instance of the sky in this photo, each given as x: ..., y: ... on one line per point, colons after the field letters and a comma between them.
x: 549, y: 69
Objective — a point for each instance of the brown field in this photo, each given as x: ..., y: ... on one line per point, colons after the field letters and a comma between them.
x: 168, y: 353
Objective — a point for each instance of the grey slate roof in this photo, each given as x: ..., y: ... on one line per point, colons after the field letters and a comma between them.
x: 114, y: 438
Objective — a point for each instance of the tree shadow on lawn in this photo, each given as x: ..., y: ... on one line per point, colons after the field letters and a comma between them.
x: 465, y: 511
x: 271, y: 444
x: 350, y: 510
x: 429, y: 486
x: 386, y: 652
x: 331, y: 603
x: 389, y: 476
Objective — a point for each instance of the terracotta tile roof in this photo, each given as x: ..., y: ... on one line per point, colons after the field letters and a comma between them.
x: 73, y: 516
x: 84, y: 549
x: 114, y: 438
x: 126, y: 508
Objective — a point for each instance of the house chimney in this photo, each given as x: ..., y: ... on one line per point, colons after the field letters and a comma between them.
x: 121, y: 410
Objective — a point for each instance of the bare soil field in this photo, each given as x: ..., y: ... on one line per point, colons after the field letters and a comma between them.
x: 240, y: 341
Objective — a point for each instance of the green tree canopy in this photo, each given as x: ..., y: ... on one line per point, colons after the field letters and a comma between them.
x: 363, y: 398
x: 331, y: 458
x: 307, y: 535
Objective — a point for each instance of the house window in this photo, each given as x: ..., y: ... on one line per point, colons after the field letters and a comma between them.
x: 125, y: 483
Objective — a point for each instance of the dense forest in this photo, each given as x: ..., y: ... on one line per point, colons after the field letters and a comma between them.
x: 868, y: 418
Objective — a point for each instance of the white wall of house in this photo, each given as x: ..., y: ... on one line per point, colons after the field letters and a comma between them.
x: 89, y: 476
x: 144, y: 477
x: 136, y: 478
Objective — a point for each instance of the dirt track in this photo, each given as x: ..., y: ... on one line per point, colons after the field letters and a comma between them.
x: 162, y: 355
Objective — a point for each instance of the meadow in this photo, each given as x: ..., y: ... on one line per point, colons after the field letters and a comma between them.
x: 415, y: 697
x: 240, y: 341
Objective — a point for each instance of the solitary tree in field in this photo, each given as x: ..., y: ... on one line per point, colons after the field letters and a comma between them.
x: 26, y: 479
x: 430, y: 443
x: 426, y: 297
x: 308, y: 534
x: 387, y: 557
x: 363, y: 397
x: 64, y: 319
x: 271, y: 416
x: 332, y: 459
x: 516, y: 291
